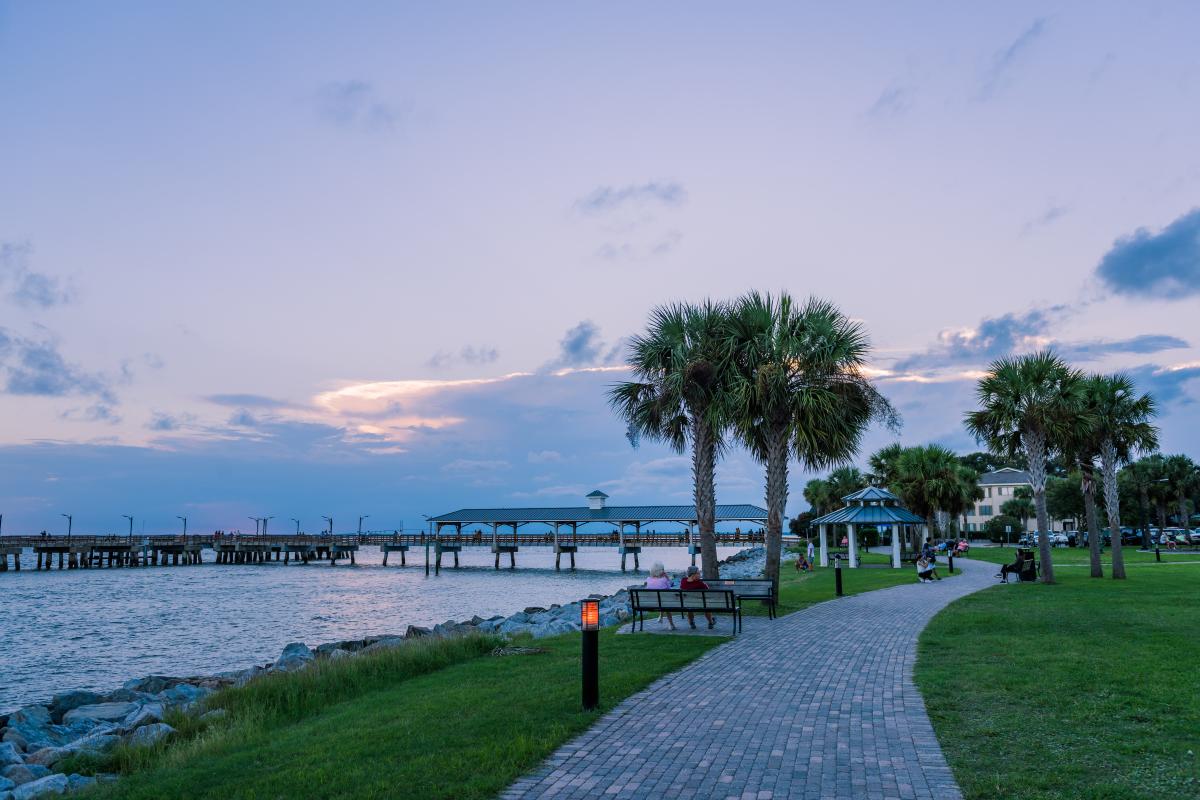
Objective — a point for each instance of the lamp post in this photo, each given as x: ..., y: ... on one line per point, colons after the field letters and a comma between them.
x: 265, y: 521
x: 70, y: 520
x: 360, y: 519
x: 130, y: 518
x: 330, y: 521
x: 589, y: 623
x: 297, y: 525
x: 837, y: 574
x: 184, y: 524
x: 256, y: 524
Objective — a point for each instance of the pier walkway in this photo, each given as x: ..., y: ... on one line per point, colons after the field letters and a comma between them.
x: 818, y: 704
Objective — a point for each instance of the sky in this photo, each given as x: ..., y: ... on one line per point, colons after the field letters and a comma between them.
x: 320, y: 259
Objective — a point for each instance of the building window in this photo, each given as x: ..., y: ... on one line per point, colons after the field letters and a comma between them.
x: 985, y: 511
x: 989, y: 491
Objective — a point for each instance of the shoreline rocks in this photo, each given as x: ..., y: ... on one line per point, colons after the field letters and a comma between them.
x: 37, y: 737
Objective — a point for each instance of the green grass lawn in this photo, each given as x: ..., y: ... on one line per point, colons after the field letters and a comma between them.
x: 1086, y: 689
x: 1078, y: 556
x: 456, y: 723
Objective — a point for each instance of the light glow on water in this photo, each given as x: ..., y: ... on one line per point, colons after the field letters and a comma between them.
x: 97, y: 628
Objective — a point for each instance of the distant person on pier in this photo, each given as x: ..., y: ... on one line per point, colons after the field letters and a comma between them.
x: 659, y: 579
x: 693, y: 582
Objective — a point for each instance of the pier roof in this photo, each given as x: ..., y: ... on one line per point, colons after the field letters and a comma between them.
x: 612, y: 514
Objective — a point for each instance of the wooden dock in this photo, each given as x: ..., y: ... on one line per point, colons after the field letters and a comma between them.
x: 110, y: 552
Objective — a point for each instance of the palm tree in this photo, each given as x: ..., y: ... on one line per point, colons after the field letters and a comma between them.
x: 798, y: 392
x: 1081, y: 444
x: 1020, y: 506
x: 680, y: 396
x: 1122, y: 422
x: 933, y: 483
x: 1027, y: 406
x: 1183, y: 478
x: 1144, y: 477
x: 882, y: 464
x: 819, y: 496
x: 846, y: 480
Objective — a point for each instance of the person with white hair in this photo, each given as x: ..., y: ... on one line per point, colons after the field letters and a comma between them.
x: 659, y: 579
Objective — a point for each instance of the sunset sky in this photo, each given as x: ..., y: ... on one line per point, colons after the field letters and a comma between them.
x: 303, y: 259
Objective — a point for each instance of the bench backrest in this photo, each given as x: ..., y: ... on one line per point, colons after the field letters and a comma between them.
x: 745, y: 587
x: 685, y: 599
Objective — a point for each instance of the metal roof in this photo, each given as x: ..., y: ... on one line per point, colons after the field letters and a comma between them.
x: 871, y: 493
x: 614, y: 514
x: 596, y: 493
x: 1004, y: 476
x: 869, y: 515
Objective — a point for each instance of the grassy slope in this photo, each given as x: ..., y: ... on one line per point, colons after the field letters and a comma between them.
x: 1086, y: 689
x: 464, y: 731
x: 1074, y: 556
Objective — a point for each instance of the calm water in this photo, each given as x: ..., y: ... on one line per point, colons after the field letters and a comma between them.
x: 95, y: 629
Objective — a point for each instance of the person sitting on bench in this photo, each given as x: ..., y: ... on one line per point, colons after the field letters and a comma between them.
x: 693, y: 582
x: 659, y: 579
x: 1013, y: 568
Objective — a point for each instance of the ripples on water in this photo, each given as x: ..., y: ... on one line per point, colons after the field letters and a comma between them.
x: 97, y: 628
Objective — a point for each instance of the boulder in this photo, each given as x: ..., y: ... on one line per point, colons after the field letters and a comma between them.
x: 511, y: 626
x: 214, y: 715
x: 533, y: 610
x: 295, y: 656
x: 151, y: 684
x: 552, y: 628
x: 100, y: 712
x: 6, y: 785
x: 9, y: 754
x: 339, y: 654
x: 24, y: 773
x: 247, y: 675
x: 42, y: 787
x: 63, y: 702
x: 94, y: 744
x: 32, y: 729
x: 144, y: 715
x: 383, y: 644
x: 520, y: 616
x: 13, y: 738
x: 124, y: 695
x: 416, y: 632
x: 150, y: 735
x: 183, y: 694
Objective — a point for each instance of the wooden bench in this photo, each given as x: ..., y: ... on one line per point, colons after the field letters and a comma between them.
x: 713, y: 601
x: 749, y: 589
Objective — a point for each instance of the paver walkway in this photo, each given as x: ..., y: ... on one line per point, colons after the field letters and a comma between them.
x: 817, y: 704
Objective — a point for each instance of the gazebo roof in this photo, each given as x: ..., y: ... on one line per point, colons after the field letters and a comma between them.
x: 870, y: 506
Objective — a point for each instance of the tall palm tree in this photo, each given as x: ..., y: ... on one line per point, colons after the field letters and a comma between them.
x: 1081, y: 444
x: 1144, y: 477
x: 1027, y: 404
x: 846, y: 480
x: 681, y: 396
x: 798, y: 392
x: 1122, y: 421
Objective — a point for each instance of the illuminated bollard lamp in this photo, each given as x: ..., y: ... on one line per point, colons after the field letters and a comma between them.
x: 589, y: 624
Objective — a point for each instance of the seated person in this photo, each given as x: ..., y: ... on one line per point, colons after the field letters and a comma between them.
x: 1014, y: 568
x: 925, y: 570
x: 802, y: 564
x: 693, y: 582
x: 659, y: 579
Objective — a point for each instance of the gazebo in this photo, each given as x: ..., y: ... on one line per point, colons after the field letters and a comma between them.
x: 869, y: 506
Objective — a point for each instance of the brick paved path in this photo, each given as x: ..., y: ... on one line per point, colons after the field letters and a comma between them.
x: 817, y: 704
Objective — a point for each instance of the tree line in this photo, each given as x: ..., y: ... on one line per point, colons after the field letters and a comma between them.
x: 785, y: 379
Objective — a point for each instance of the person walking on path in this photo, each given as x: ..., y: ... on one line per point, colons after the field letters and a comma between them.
x: 810, y: 552
x: 693, y: 582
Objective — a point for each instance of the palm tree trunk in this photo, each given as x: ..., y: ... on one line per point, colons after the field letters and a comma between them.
x: 1145, y: 492
x: 1183, y: 512
x: 1035, y: 453
x: 777, y: 489
x: 1093, y: 526
x: 1162, y: 517
x: 704, y: 458
x: 1112, y: 503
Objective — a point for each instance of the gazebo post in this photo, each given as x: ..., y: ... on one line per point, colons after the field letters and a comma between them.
x: 824, y: 546
x: 852, y: 544
x: 896, y: 529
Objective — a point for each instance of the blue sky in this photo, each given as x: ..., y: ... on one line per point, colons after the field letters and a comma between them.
x: 301, y: 259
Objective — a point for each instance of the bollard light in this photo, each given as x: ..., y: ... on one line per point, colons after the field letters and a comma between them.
x: 589, y: 623
x: 590, y: 615
x: 837, y: 574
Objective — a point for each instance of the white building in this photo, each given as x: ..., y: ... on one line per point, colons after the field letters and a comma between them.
x: 1000, y: 486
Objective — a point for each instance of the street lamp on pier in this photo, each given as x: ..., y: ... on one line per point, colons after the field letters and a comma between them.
x: 130, y: 518
x: 360, y: 519
x: 265, y: 520
x: 184, y: 523
x: 256, y: 523
x: 70, y: 521
x: 297, y: 525
x: 330, y: 521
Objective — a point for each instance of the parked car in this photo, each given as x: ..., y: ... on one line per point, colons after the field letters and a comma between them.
x: 1131, y: 536
x: 1074, y: 538
x: 1194, y: 536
